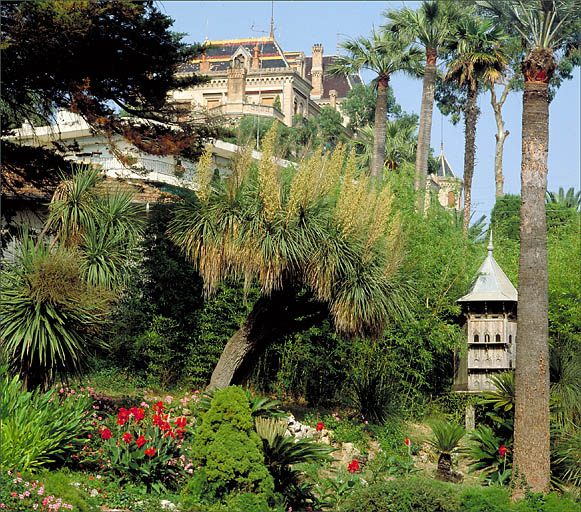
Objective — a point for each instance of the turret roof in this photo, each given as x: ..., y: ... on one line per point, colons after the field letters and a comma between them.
x: 491, y: 282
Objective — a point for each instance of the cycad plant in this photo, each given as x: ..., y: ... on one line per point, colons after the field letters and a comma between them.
x: 445, y: 441
x: 319, y: 240
x: 281, y: 453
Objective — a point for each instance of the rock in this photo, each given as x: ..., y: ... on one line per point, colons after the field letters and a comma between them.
x: 167, y: 505
x: 94, y: 493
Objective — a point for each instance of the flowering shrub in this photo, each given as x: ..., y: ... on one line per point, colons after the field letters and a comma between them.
x: 142, y: 446
x: 22, y: 495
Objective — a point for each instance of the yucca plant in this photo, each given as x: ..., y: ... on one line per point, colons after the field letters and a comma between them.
x: 484, y: 448
x: 47, y: 310
x: 319, y: 230
x: 445, y: 441
x: 281, y: 453
x: 566, y: 458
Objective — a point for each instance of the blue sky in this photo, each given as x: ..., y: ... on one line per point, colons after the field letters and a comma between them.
x: 299, y: 25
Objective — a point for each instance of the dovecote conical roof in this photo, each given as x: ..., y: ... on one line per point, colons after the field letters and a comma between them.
x: 491, y: 282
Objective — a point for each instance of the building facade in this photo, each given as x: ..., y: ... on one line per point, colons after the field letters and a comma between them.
x: 255, y: 76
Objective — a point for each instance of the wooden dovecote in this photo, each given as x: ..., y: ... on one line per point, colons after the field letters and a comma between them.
x: 490, y: 309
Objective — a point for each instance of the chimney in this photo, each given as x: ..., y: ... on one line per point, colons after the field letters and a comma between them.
x: 333, y: 98
x: 317, y: 70
x: 256, y: 57
x: 301, y: 65
x: 204, y: 65
x: 236, y: 82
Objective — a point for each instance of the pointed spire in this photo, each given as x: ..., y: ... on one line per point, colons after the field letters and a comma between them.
x: 272, y: 21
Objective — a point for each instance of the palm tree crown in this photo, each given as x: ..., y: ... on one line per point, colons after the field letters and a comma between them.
x: 383, y: 53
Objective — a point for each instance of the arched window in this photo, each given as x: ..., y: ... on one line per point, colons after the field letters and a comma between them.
x: 476, y: 338
x: 510, y: 339
x: 498, y: 338
x: 487, y: 338
x: 451, y: 199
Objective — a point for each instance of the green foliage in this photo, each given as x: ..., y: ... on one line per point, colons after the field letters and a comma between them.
x: 404, y: 495
x: 281, y: 453
x: 453, y: 405
x: 50, y: 316
x: 329, y: 126
x: 57, y: 74
x: 229, y: 451
x: 446, y: 437
x: 483, y: 499
x: 332, y: 490
x: 50, y: 486
x: 159, y: 352
x: 566, y: 458
x: 370, y: 391
x: 260, y: 406
x: 359, y: 106
x: 39, y: 428
x: 545, y: 503
x: 484, y: 448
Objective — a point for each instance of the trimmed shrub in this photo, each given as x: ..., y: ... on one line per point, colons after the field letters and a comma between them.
x: 405, y: 495
x: 229, y: 451
x: 484, y: 499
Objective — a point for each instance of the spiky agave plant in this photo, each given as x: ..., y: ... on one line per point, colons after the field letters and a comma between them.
x: 319, y: 228
x: 445, y: 441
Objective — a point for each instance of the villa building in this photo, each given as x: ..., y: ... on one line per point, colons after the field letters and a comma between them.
x: 254, y: 76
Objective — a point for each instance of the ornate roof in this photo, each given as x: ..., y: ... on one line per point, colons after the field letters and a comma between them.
x: 341, y: 83
x: 221, y: 52
x: 491, y: 282
x: 444, y: 168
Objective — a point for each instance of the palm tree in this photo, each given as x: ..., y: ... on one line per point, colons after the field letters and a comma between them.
x: 546, y: 28
x: 431, y: 26
x: 384, y: 53
x: 400, y: 144
x: 447, y: 437
x: 476, y: 59
x: 568, y: 200
x: 317, y: 240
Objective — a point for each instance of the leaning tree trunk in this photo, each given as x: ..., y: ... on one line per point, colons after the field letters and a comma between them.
x: 271, y: 317
x: 262, y: 325
x: 470, y: 117
x: 531, y: 461
x: 501, y: 135
x: 425, y: 128
x: 379, y: 128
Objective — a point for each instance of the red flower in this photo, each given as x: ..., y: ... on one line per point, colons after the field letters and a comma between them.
x: 180, y: 422
x: 123, y: 416
x: 502, y: 450
x: 320, y: 426
x: 353, y: 466
x: 158, y: 407
x: 150, y: 452
x: 140, y: 441
x: 127, y: 437
x: 106, y: 433
x: 407, y: 441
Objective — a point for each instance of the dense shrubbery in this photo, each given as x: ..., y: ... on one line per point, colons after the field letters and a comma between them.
x: 228, y: 451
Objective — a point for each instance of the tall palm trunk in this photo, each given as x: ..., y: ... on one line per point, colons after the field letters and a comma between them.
x: 531, y: 418
x: 380, y: 128
x: 425, y: 128
x: 470, y: 117
x: 500, y: 135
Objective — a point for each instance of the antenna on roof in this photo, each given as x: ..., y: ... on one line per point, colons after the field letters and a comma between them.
x: 441, y: 133
x: 206, y: 40
x: 272, y: 21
